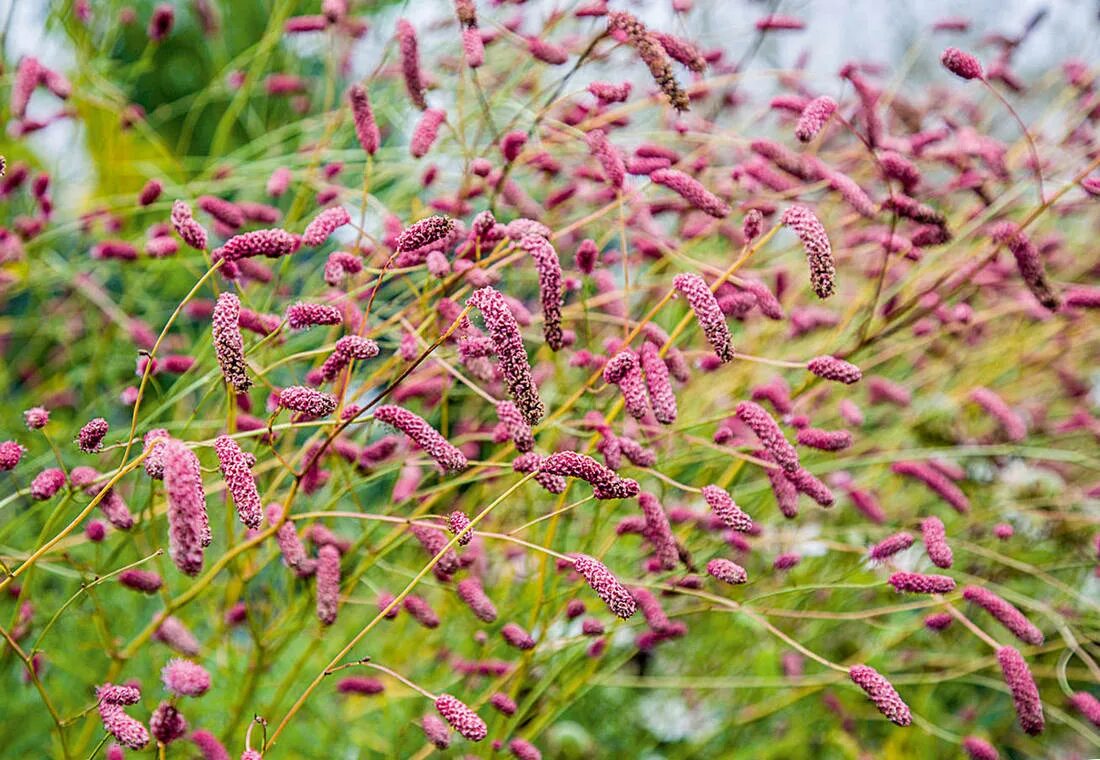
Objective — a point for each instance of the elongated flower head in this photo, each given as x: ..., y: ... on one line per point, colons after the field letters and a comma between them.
x: 917, y: 583
x: 979, y: 749
x: 692, y: 191
x: 961, y: 63
x: 890, y: 546
x: 167, y: 724
x: 145, y: 581
x: 819, y: 252
x: 188, y: 524
x: 47, y: 483
x: 764, y: 426
x: 606, y: 585
x: 727, y: 571
x: 424, y: 435
x: 882, y: 693
x: 272, y: 243
x: 707, y: 313
x: 837, y: 370
x: 228, y: 343
x: 324, y: 224
x: 425, y: 232
x: 512, y: 356
x: 605, y: 483
x: 193, y: 233
x: 814, y: 117
x: 366, y: 129
x: 461, y: 718
x: 126, y: 730
x: 236, y: 467
x: 935, y: 542
x: 308, y: 401
x: 1025, y: 694
x: 550, y: 288
x: 328, y: 583
x: 662, y: 399
x: 1005, y: 613
x: 724, y: 508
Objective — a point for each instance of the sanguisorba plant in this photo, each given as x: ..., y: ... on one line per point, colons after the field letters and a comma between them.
x: 499, y: 366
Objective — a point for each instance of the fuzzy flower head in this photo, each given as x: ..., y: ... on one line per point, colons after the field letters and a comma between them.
x: 36, y: 418
x: 324, y: 224
x: 308, y: 401
x: 366, y: 129
x: 187, y: 228
x: 764, y: 426
x: 504, y: 331
x: 424, y: 435
x: 692, y: 191
x: 1025, y: 694
x: 185, y: 678
x: 707, y: 313
x: 606, y: 585
x: 461, y: 718
x: 727, y: 571
x: 90, y: 438
x: 605, y: 483
x: 550, y: 288
x: 819, y: 252
x: 188, y: 525
x: 723, y: 507
x: 961, y: 63
x: 882, y: 693
x: 228, y: 343
x: 814, y: 117
x: 236, y: 467
x: 832, y: 368
x: 917, y: 583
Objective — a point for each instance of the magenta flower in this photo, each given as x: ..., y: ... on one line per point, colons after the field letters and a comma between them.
x: 606, y: 585
x: 661, y: 397
x: 271, y: 243
x: 461, y: 718
x: 365, y: 127
x: 805, y: 482
x: 825, y: 440
x: 513, y: 427
x: 424, y: 435
x: 328, y: 583
x: 360, y: 685
x: 90, y: 438
x: 605, y: 483
x: 890, y: 546
x: 935, y: 542
x: 1025, y: 694
x: 979, y: 749
x: 426, y: 131
x: 961, y: 64
x: 658, y: 532
x: 10, y: 454
x: 726, y: 571
x: 188, y: 525
x: 1005, y: 613
x: 653, y: 55
x: 522, y: 749
x: 421, y: 611
x: 166, y: 724
x: 236, y: 467
x: 531, y: 462
x: 832, y: 368
x: 187, y: 228
x: 228, y: 344
x: 814, y: 117
x: 623, y: 370
x: 175, y: 634
x: 473, y: 596
x: 434, y: 542
x: 819, y: 252
x: 1028, y: 261
x: 1014, y: 427
x: 36, y: 418
x: 550, y: 290
x: 290, y: 545
x: 724, y: 508
x: 436, y: 731
x: 428, y: 231
x: 608, y: 155
x: 185, y: 678
x: 917, y: 583
x: 936, y: 481
x: 707, y: 313
x: 47, y: 483
x: 410, y: 63
x: 609, y: 92
x: 512, y: 357
x: 767, y: 430
x: 880, y: 691
x: 302, y: 316
x: 1087, y: 705
x: 209, y: 745
x: 516, y: 637
x: 313, y: 403
x: 547, y: 52
x: 126, y: 731
x: 473, y: 47
x: 503, y: 703
x: 145, y: 581
x: 348, y: 349
x: 324, y: 224
x: 692, y: 191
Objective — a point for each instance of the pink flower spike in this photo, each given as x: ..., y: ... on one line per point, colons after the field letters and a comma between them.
x: 935, y: 542
x: 313, y: 403
x: 426, y: 131
x: 819, y: 252
x: 726, y: 571
x: 324, y: 224
x: 916, y: 583
x: 90, y: 438
x: 606, y: 585
x: 707, y: 313
x: 302, y: 316
x: 188, y: 524
x: 410, y: 63
x: 961, y: 64
x: 551, y: 294
x: 328, y: 583
x: 366, y: 129
x: 513, y: 362
x: 890, y: 546
x: 424, y: 435
x: 1005, y: 613
x: 691, y: 190
x: 605, y: 483
x: 767, y: 430
x: 1025, y: 694
x: 228, y: 343
x: 461, y: 718
x: 239, y: 480
x: 880, y: 691
x: 724, y: 508
x: 661, y: 397
x: 185, y: 678
x: 837, y: 370
x: 814, y: 117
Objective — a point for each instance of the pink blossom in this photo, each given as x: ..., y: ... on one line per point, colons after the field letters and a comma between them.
x: 819, y: 252
x: 228, y: 344
x: 462, y: 718
x: 185, y: 678
x: 410, y: 63
x: 1025, y: 694
x: 328, y: 583
x: 307, y: 401
x: 424, y: 435
x: 935, y: 542
x: 606, y: 585
x: 239, y: 480
x: 814, y: 117
x: 691, y: 190
x: 504, y: 331
x: 707, y: 312
x: 880, y: 691
x: 1005, y: 613
x: 917, y: 583
x: 324, y: 224
x: 188, y: 525
x: 426, y: 131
